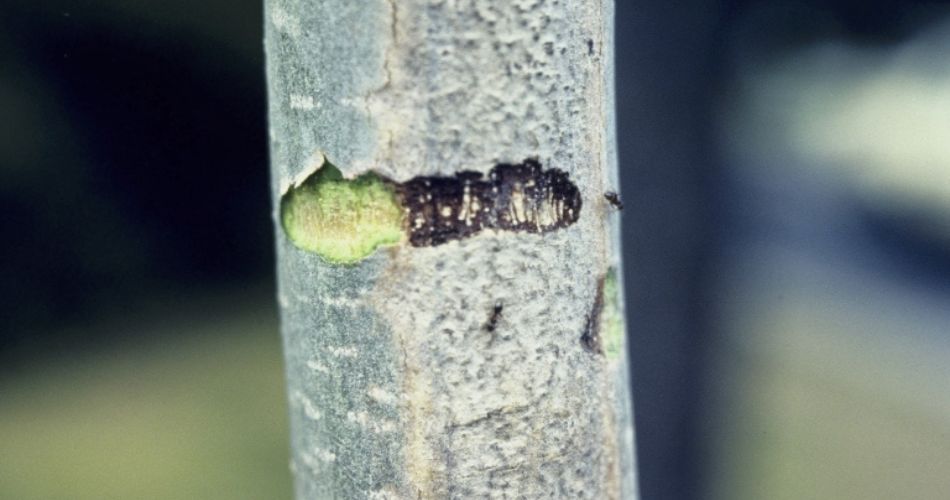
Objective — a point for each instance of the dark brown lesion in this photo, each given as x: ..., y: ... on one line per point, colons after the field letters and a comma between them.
x: 493, y: 318
x: 590, y: 337
x: 513, y: 197
x: 491, y: 325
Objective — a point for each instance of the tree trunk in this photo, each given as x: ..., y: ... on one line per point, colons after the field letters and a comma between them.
x: 447, y: 248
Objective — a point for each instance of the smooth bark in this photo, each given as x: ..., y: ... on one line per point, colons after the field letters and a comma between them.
x: 489, y: 366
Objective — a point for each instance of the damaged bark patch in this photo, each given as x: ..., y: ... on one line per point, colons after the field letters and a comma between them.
x: 344, y: 221
x: 513, y: 197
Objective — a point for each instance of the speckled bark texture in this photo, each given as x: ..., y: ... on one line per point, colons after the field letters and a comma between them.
x: 456, y: 370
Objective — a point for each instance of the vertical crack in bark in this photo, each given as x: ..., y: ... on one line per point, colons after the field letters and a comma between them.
x: 387, y: 67
x: 591, y: 337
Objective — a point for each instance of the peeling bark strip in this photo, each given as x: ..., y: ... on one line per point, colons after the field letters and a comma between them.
x: 519, y: 197
x: 345, y: 221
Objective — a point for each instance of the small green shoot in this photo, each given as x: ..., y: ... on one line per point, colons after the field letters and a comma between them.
x: 343, y: 221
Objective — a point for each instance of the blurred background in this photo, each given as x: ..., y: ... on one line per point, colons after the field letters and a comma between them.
x: 786, y: 176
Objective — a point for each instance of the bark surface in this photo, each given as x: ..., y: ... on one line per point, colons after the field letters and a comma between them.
x: 474, y: 368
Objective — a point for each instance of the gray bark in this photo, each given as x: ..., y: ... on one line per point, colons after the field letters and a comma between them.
x: 403, y: 380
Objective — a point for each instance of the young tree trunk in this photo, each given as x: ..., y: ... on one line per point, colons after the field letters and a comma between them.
x: 474, y: 347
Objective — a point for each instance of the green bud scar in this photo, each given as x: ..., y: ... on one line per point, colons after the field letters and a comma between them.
x: 343, y: 221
